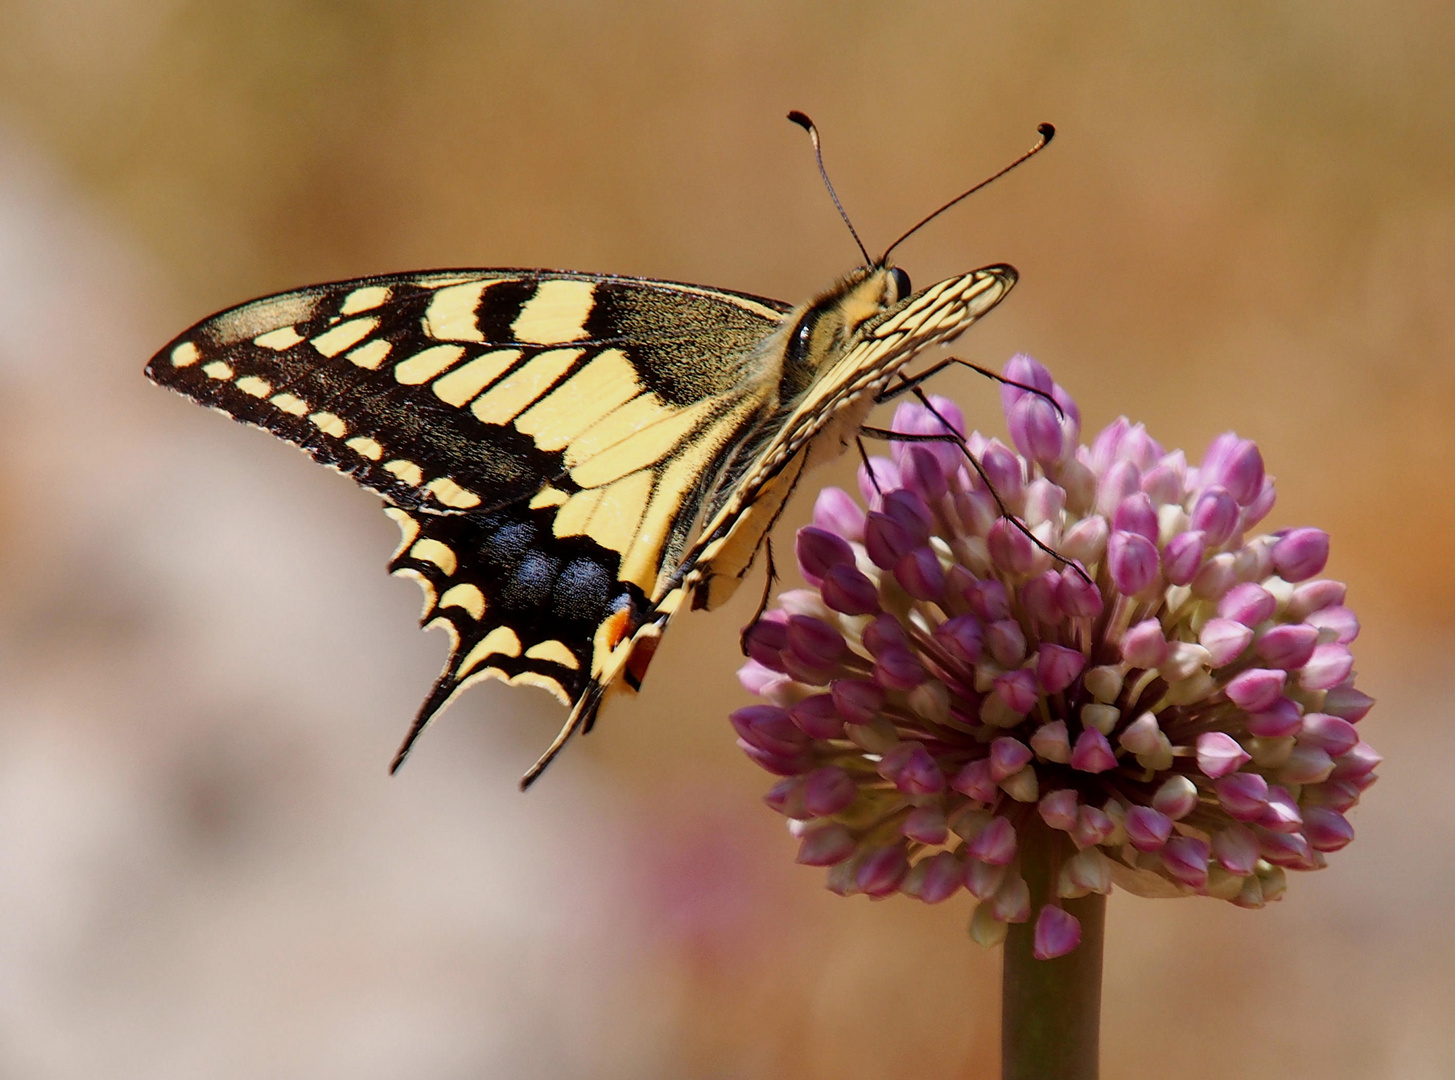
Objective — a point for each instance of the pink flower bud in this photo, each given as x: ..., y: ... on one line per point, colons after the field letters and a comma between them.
x: 1038, y: 598
x: 826, y: 845
x: 1326, y: 828
x: 880, y: 474
x: 1248, y: 604
x: 1051, y: 743
x: 1258, y: 509
x: 1085, y: 542
x: 1314, y: 596
x: 882, y: 870
x: 1357, y: 763
x: 835, y: 511
x: 1148, y: 829
x: 1006, y: 642
x: 961, y: 637
x: 1236, y: 848
x: 1327, y: 667
x: 1186, y: 860
x: 1059, y: 809
x: 1306, y: 765
x: 943, y: 877
x: 1144, y: 645
x: 1224, y: 640
x: 884, y: 633
x: 1010, y: 549
x: 974, y: 780
x: 1243, y: 795
x: 996, y: 843
x: 886, y: 540
x: 1035, y: 428
x: 1176, y: 797
x: 814, y: 642
x: 1282, y: 813
x: 909, y: 510
x: 1334, y: 736
x: 1280, y: 719
x: 1057, y: 667
x: 921, y: 574
x: 1004, y: 470
x: 828, y: 791
x: 1285, y: 849
x: 912, y: 770
x: 1234, y: 463
x: 1012, y: 901
x: 1216, y: 516
x: 767, y: 638
x: 1007, y: 756
x: 1164, y: 483
x: 1136, y: 514
x: 1347, y: 702
x: 1257, y: 688
x: 1018, y: 690
x: 1092, y: 753
x: 1092, y: 827
x: 818, y: 550
x: 857, y: 700
x: 1338, y: 621
x: 1116, y: 483
x: 849, y: 592
x: 1132, y: 560
x: 818, y: 717
x: 926, y: 825
x: 1142, y: 736
x: 1057, y: 933
x: 1080, y: 599
x: 1287, y: 646
x: 1219, y: 754
x: 1214, y: 578
x: 1301, y: 553
x: 768, y: 728
x: 922, y: 472
x: 989, y: 600
x: 898, y: 669
x: 1045, y: 500
x: 1182, y: 557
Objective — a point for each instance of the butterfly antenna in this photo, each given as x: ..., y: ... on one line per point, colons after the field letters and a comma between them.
x: 1047, y: 133
x: 804, y: 122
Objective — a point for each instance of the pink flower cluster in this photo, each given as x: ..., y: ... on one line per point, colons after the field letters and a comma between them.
x: 1175, y: 700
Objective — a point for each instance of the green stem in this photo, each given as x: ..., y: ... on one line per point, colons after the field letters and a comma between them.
x: 1051, y: 1009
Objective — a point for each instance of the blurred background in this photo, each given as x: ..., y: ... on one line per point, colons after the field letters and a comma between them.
x: 1247, y: 221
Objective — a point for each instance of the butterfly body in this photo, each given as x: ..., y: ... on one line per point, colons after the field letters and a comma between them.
x: 569, y: 457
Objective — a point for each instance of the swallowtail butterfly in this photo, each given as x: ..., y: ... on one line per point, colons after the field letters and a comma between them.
x: 570, y: 457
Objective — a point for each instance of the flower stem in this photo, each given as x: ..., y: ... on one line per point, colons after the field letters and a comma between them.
x: 1051, y: 1009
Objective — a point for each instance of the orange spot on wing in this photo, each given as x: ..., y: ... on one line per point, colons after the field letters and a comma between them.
x: 617, y: 626
x: 641, y: 656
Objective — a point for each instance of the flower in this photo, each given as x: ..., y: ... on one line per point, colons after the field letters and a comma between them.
x: 1123, y: 662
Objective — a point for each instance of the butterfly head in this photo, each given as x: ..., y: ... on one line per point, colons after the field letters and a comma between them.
x: 822, y: 329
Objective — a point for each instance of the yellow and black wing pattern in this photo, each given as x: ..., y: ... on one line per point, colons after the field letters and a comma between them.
x: 568, y: 456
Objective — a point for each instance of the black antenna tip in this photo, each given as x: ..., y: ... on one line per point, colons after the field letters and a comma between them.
x: 1048, y: 131
x: 801, y: 119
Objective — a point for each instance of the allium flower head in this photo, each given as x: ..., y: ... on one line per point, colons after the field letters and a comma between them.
x: 1183, y: 716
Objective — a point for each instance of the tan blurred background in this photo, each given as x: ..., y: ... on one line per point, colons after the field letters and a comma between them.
x: 1247, y: 221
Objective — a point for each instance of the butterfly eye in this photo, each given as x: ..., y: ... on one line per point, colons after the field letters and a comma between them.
x: 901, y: 283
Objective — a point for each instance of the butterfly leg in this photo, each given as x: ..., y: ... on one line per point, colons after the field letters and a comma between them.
x: 909, y: 383
x: 953, y: 436
x: 768, y: 584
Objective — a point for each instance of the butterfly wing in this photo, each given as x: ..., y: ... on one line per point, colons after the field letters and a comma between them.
x: 544, y: 440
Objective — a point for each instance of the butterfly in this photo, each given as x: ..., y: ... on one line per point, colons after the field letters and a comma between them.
x: 570, y: 457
